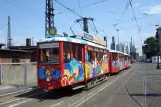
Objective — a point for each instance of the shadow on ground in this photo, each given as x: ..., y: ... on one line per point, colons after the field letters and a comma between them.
x: 148, y: 95
x: 56, y: 94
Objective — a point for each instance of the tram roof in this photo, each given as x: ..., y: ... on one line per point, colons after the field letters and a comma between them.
x: 70, y: 39
x: 127, y: 54
x: 114, y: 51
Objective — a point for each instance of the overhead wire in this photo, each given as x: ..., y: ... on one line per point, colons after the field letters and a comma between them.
x: 127, y: 5
x: 80, y: 7
x: 130, y: 1
x: 93, y: 3
x: 152, y: 25
x: 9, y: 1
x: 86, y: 5
x: 137, y: 19
x: 26, y: 7
x: 31, y: 12
x: 78, y: 14
x: 68, y: 8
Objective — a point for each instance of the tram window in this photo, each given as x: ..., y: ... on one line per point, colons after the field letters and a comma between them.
x: 54, y: 54
x: 90, y: 58
x: 101, y: 56
x: 42, y: 55
x: 74, y: 51
x: 79, y: 52
x: 113, y: 56
x: 50, y: 55
x: 90, y: 54
x: 66, y: 52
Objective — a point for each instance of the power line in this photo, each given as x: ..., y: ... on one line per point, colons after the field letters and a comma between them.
x: 68, y: 9
x: 30, y: 12
x: 80, y: 15
x: 135, y: 19
x: 86, y: 5
x: 152, y: 25
x: 80, y: 7
x: 93, y: 3
x: 24, y: 9
x: 127, y: 5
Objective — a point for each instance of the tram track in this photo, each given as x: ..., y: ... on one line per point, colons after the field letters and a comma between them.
x: 132, y: 97
x: 146, y: 93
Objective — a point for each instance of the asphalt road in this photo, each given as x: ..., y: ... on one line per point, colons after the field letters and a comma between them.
x: 139, y: 86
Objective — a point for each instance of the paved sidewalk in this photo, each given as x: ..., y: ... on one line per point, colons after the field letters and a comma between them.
x: 13, y: 88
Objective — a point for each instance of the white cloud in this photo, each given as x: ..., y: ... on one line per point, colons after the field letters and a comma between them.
x: 152, y: 9
x: 137, y: 4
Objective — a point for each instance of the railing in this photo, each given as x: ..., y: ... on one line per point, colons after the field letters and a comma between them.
x: 19, y: 74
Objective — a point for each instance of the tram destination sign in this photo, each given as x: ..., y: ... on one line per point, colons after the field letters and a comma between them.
x: 48, y: 45
x: 94, y: 39
x: 87, y: 37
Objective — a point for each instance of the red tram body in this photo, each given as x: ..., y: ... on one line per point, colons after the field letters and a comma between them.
x: 67, y: 61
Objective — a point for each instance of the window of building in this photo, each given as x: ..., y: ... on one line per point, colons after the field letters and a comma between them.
x: 15, y: 59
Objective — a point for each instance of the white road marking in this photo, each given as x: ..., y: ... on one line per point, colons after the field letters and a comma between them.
x: 15, y: 92
x: 19, y: 103
x: 94, y: 92
x: 119, y: 88
x: 155, y: 70
x: 82, y: 100
x: 19, y: 99
x: 57, y: 104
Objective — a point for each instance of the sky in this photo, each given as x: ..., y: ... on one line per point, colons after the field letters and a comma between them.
x: 28, y: 19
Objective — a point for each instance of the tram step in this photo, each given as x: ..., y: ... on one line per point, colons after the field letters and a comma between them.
x: 78, y: 87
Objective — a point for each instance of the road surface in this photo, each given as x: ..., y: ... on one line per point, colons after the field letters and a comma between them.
x: 139, y: 86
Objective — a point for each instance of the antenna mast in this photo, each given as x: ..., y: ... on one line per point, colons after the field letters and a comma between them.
x: 9, y: 39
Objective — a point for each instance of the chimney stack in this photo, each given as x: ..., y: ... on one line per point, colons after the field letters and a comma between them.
x: 28, y: 42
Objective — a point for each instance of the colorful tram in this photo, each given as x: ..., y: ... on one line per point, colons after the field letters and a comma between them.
x: 76, y: 62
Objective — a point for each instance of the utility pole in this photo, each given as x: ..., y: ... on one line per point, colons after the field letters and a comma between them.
x: 118, y: 39
x: 49, y: 19
x: 158, y: 34
x: 9, y: 39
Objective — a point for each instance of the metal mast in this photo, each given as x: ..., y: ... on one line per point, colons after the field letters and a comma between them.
x: 9, y: 39
x: 85, y: 23
x: 49, y: 18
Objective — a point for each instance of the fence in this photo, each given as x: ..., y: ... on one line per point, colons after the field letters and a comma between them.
x: 18, y: 74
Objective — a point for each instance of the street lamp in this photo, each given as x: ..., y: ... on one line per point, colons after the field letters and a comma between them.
x: 118, y: 39
x: 158, y: 34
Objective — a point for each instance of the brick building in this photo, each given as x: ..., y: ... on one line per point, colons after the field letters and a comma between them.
x: 14, y: 56
x: 27, y: 48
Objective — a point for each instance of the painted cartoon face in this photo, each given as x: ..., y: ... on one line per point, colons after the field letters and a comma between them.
x: 48, y: 75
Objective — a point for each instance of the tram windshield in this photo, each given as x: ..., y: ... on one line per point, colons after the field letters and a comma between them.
x: 49, y: 54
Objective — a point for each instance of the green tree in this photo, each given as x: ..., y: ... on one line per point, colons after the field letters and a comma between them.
x: 150, y: 47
